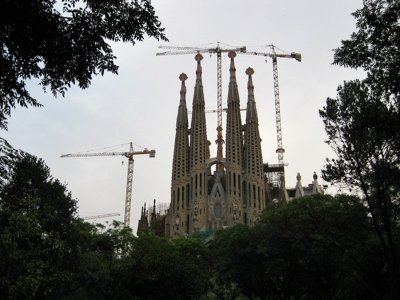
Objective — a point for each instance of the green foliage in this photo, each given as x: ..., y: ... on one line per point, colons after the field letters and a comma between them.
x: 46, y: 252
x: 66, y: 42
x: 8, y: 156
x: 374, y: 47
x: 159, y: 268
x: 317, y: 247
x: 36, y: 225
x: 113, y: 264
x: 101, y: 252
x: 363, y: 122
x: 238, y: 261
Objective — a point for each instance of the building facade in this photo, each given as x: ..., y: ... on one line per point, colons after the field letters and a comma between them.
x: 214, y: 192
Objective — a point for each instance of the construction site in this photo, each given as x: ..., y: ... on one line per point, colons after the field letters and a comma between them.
x: 233, y: 186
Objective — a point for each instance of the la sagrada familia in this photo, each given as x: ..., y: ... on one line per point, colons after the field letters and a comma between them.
x: 211, y: 193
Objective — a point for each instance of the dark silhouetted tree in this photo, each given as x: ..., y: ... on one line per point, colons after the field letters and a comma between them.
x: 37, y: 251
x: 62, y: 43
x: 316, y: 247
x: 363, y: 122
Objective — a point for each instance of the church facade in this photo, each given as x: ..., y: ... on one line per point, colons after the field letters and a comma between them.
x: 207, y: 192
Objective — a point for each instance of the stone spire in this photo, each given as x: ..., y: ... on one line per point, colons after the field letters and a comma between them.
x: 199, y: 144
x: 234, y: 138
x: 253, y: 162
x: 234, y: 147
x: 252, y: 141
x: 143, y: 224
x: 199, y: 154
x: 299, y: 187
x: 251, y: 112
x: 180, y: 164
x: 316, y: 188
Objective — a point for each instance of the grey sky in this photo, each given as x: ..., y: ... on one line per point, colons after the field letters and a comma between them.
x: 140, y: 104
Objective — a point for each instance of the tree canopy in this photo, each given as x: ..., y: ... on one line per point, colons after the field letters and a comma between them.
x: 316, y: 247
x: 374, y: 47
x: 319, y: 247
x: 36, y: 226
x: 62, y: 43
x: 363, y: 122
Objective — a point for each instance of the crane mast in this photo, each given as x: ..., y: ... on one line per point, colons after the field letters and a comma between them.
x: 129, y: 180
x: 280, y: 150
x: 297, y: 56
x: 220, y: 140
x: 177, y: 50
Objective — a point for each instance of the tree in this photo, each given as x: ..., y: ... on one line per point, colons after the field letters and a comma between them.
x: 8, y: 156
x: 102, y: 260
x: 65, y: 42
x: 363, y: 122
x: 374, y: 47
x: 36, y: 227
x: 160, y: 268
x: 316, y: 247
x: 238, y: 263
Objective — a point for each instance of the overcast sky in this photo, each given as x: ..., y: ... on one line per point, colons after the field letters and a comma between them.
x: 140, y: 104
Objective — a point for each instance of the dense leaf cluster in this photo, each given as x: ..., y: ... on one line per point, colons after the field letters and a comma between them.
x: 63, y: 43
x: 46, y: 252
x: 375, y: 46
x: 316, y: 247
x: 363, y: 122
x: 36, y: 229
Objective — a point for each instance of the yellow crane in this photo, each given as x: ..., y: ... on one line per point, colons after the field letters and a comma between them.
x: 274, y: 56
x: 129, y: 155
x: 101, y: 216
x: 177, y: 50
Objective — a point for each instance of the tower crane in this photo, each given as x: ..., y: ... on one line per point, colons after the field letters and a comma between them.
x: 208, y: 111
x: 129, y: 155
x: 101, y: 216
x: 177, y: 50
x: 297, y: 56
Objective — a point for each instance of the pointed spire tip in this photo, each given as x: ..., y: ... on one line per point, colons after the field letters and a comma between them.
x: 232, y: 54
x: 183, y: 77
x: 249, y: 71
x: 198, y: 57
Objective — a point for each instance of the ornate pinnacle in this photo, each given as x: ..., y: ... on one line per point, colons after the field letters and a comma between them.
x: 183, y: 77
x: 250, y: 87
x: 249, y: 71
x: 231, y: 54
x: 232, y: 69
x: 198, y: 57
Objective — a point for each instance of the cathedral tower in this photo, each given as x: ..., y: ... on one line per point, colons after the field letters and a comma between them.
x: 234, y: 147
x: 180, y: 168
x: 235, y: 192
x: 199, y: 154
x: 253, y: 184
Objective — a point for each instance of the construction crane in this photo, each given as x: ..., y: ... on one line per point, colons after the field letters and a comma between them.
x: 177, y: 50
x: 297, y: 56
x: 129, y: 155
x: 208, y: 111
x: 101, y: 216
